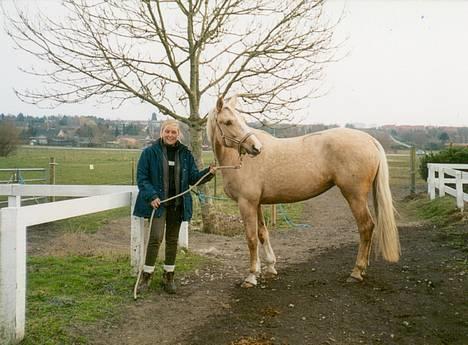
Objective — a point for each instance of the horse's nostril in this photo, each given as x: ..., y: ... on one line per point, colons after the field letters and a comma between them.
x: 255, y: 150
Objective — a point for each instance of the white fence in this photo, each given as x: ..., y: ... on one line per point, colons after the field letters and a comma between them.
x: 457, y: 178
x: 13, y: 222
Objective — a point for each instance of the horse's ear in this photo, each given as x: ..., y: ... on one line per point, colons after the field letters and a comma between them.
x: 232, y: 101
x: 219, y: 104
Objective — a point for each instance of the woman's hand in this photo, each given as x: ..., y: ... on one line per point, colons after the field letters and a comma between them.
x: 213, y: 168
x: 156, y: 203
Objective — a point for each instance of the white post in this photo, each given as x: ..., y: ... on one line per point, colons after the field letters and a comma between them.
x: 12, y: 276
x: 431, y: 181
x: 459, y: 189
x: 441, y: 182
x: 20, y: 277
x: 137, y: 239
x: 7, y: 279
x: 183, y: 235
x: 14, y: 201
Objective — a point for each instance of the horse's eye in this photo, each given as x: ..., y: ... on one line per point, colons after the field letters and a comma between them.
x: 228, y: 122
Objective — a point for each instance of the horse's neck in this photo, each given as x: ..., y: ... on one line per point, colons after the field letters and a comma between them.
x: 225, y: 155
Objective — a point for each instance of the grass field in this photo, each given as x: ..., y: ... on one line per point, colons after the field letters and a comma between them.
x: 117, y: 167
x: 73, y: 165
x: 66, y: 293
x: 113, y: 167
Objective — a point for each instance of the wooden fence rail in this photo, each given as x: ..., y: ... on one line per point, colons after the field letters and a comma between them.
x: 437, y: 179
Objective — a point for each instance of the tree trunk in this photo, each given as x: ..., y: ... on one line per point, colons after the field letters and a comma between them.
x: 209, y: 224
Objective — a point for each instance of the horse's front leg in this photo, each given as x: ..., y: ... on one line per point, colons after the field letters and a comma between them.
x: 248, y: 211
x: 264, y: 238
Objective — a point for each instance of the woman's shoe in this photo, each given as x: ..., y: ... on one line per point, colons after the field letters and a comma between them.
x: 144, y: 283
x: 168, y: 282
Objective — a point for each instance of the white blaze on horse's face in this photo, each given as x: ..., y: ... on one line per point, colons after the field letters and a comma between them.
x: 234, y: 131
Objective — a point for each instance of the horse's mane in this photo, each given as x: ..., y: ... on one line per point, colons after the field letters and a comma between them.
x: 210, y: 123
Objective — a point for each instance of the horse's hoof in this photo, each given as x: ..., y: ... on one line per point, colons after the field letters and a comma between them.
x: 270, y: 275
x: 247, y: 285
x: 352, y: 279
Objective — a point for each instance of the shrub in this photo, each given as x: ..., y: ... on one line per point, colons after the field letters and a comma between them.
x: 9, y: 139
x: 453, y: 155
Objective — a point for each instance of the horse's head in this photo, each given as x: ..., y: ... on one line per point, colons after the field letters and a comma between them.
x: 226, y: 122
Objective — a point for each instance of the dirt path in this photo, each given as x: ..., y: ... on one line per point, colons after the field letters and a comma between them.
x: 420, y: 300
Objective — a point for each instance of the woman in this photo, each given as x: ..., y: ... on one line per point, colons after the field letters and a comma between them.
x: 165, y: 169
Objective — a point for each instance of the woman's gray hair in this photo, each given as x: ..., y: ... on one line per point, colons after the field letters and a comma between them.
x: 171, y: 122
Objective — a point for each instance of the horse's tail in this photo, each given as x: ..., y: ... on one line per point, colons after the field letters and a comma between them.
x: 386, y: 239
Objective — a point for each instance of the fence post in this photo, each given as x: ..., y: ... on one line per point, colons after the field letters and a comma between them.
x: 183, y: 235
x: 137, y: 239
x: 12, y: 276
x: 459, y: 189
x: 14, y: 201
x: 273, y: 215
x: 431, y: 181
x: 413, y: 170
x: 441, y: 181
x: 214, y: 193
x: 52, y: 165
x: 7, y: 280
x: 133, y: 171
x: 17, y: 178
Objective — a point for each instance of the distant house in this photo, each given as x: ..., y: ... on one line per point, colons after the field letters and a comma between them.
x: 61, y: 134
x: 39, y: 140
x: 84, y: 142
x: 61, y: 142
x: 458, y: 144
x: 127, y: 142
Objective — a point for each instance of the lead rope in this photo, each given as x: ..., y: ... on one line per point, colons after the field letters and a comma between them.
x: 140, y: 271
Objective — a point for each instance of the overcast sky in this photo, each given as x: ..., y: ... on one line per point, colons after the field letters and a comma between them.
x: 406, y: 63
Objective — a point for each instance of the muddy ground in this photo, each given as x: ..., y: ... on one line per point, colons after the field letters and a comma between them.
x: 420, y: 300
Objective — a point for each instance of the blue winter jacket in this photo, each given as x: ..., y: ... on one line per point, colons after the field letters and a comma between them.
x: 150, y: 180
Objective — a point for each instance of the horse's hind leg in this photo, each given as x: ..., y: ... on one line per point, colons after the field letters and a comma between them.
x: 248, y: 211
x: 365, y: 224
x: 264, y: 238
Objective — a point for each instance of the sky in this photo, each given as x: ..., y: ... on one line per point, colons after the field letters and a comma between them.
x: 404, y: 62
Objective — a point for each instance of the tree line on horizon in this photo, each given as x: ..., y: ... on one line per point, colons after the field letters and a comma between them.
x: 92, y: 131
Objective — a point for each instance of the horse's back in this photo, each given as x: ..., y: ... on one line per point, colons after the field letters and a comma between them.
x: 302, y: 167
x: 331, y: 147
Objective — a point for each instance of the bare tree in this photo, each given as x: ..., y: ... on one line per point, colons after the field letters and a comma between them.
x: 177, y: 55
x: 9, y: 138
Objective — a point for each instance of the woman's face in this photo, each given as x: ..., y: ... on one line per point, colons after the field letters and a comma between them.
x: 170, y: 134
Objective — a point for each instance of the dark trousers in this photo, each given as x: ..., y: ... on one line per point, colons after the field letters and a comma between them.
x: 171, y: 220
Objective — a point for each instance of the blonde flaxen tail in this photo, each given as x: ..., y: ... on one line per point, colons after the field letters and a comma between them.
x: 386, y: 239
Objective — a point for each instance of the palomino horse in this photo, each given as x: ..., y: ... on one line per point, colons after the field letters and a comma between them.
x: 295, y: 169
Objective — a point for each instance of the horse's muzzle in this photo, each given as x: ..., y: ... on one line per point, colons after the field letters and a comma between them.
x: 254, y: 151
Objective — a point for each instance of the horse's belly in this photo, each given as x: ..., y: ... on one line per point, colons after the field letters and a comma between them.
x: 294, y: 189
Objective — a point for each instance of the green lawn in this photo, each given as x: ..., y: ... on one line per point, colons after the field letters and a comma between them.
x: 116, y: 167
x: 73, y: 165
x: 68, y: 293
